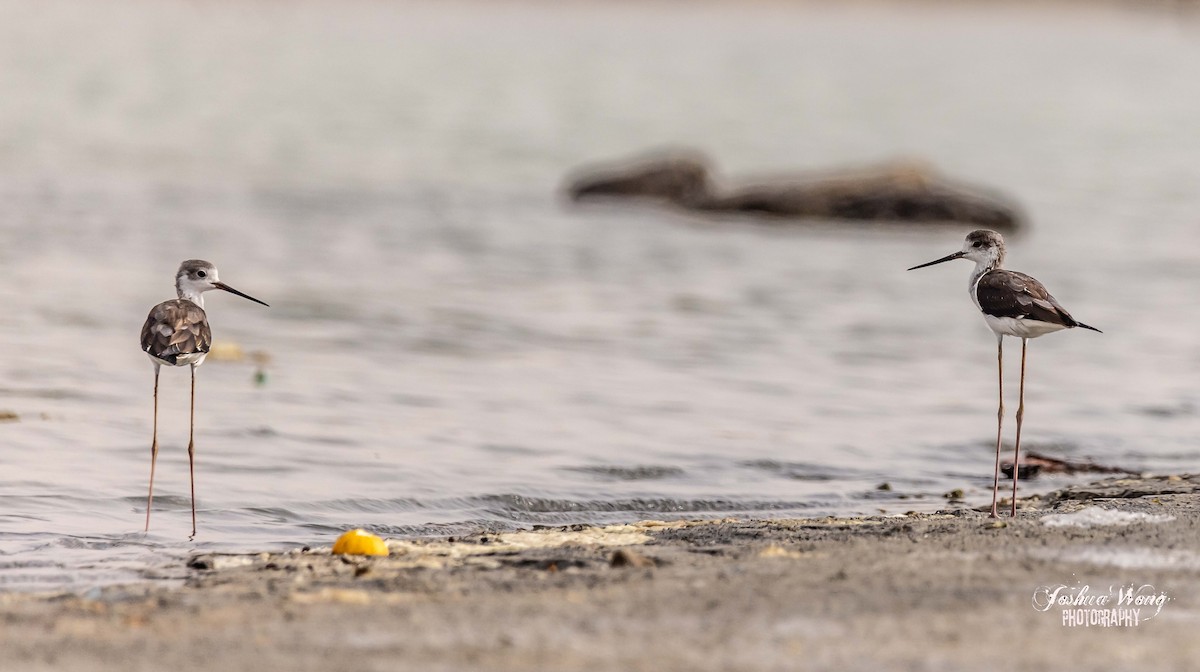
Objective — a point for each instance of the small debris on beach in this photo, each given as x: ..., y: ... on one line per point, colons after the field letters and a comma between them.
x: 261, y: 359
x: 777, y: 551
x: 625, y: 557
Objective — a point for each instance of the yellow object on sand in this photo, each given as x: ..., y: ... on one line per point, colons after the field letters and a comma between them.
x: 225, y: 351
x: 359, y: 542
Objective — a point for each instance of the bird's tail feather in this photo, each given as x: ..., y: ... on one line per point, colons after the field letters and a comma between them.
x: 1088, y: 326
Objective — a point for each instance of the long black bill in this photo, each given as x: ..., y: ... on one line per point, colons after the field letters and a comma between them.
x: 948, y: 257
x: 231, y: 290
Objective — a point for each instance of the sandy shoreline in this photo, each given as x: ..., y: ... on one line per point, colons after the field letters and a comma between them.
x: 953, y: 590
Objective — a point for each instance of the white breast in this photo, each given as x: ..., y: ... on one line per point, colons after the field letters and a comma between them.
x: 1020, y: 327
x: 196, y: 358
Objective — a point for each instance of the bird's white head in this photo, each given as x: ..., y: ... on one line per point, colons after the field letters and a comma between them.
x: 984, y: 247
x: 196, y: 276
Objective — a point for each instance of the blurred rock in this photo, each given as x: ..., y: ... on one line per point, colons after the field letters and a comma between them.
x: 1036, y: 463
x: 676, y: 177
x: 901, y: 191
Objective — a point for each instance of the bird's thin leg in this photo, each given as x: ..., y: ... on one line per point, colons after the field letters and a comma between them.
x: 999, y: 420
x: 1020, y: 416
x: 192, y: 451
x: 153, y: 449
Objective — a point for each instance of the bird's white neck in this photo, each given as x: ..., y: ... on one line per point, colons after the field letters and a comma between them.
x: 189, y: 294
x: 982, y: 266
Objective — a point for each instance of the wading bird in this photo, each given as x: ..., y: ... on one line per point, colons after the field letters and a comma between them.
x: 176, y: 333
x: 1013, y: 304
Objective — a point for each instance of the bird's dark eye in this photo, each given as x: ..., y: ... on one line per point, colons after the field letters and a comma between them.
x: 978, y: 243
x: 202, y: 274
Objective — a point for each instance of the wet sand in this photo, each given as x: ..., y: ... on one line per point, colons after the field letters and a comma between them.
x: 953, y: 590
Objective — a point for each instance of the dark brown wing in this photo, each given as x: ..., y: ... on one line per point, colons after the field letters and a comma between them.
x: 1004, y: 293
x: 175, y: 327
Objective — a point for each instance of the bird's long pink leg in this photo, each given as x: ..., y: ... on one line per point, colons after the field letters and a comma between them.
x: 999, y: 421
x: 1020, y: 417
x: 153, y: 449
x: 192, y: 451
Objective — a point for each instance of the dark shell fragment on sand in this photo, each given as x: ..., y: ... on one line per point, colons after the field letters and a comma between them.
x: 1035, y: 464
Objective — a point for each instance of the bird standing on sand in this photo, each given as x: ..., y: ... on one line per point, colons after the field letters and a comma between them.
x: 176, y: 333
x: 1013, y: 304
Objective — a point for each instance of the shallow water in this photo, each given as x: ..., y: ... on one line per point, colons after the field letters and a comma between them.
x: 453, y: 348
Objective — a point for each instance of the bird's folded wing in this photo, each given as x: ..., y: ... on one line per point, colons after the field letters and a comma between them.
x: 176, y: 327
x: 1003, y: 293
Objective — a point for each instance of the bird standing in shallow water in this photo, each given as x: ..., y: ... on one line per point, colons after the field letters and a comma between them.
x: 176, y: 333
x: 1013, y: 304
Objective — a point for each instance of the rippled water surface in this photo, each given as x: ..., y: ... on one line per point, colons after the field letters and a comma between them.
x: 453, y: 348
